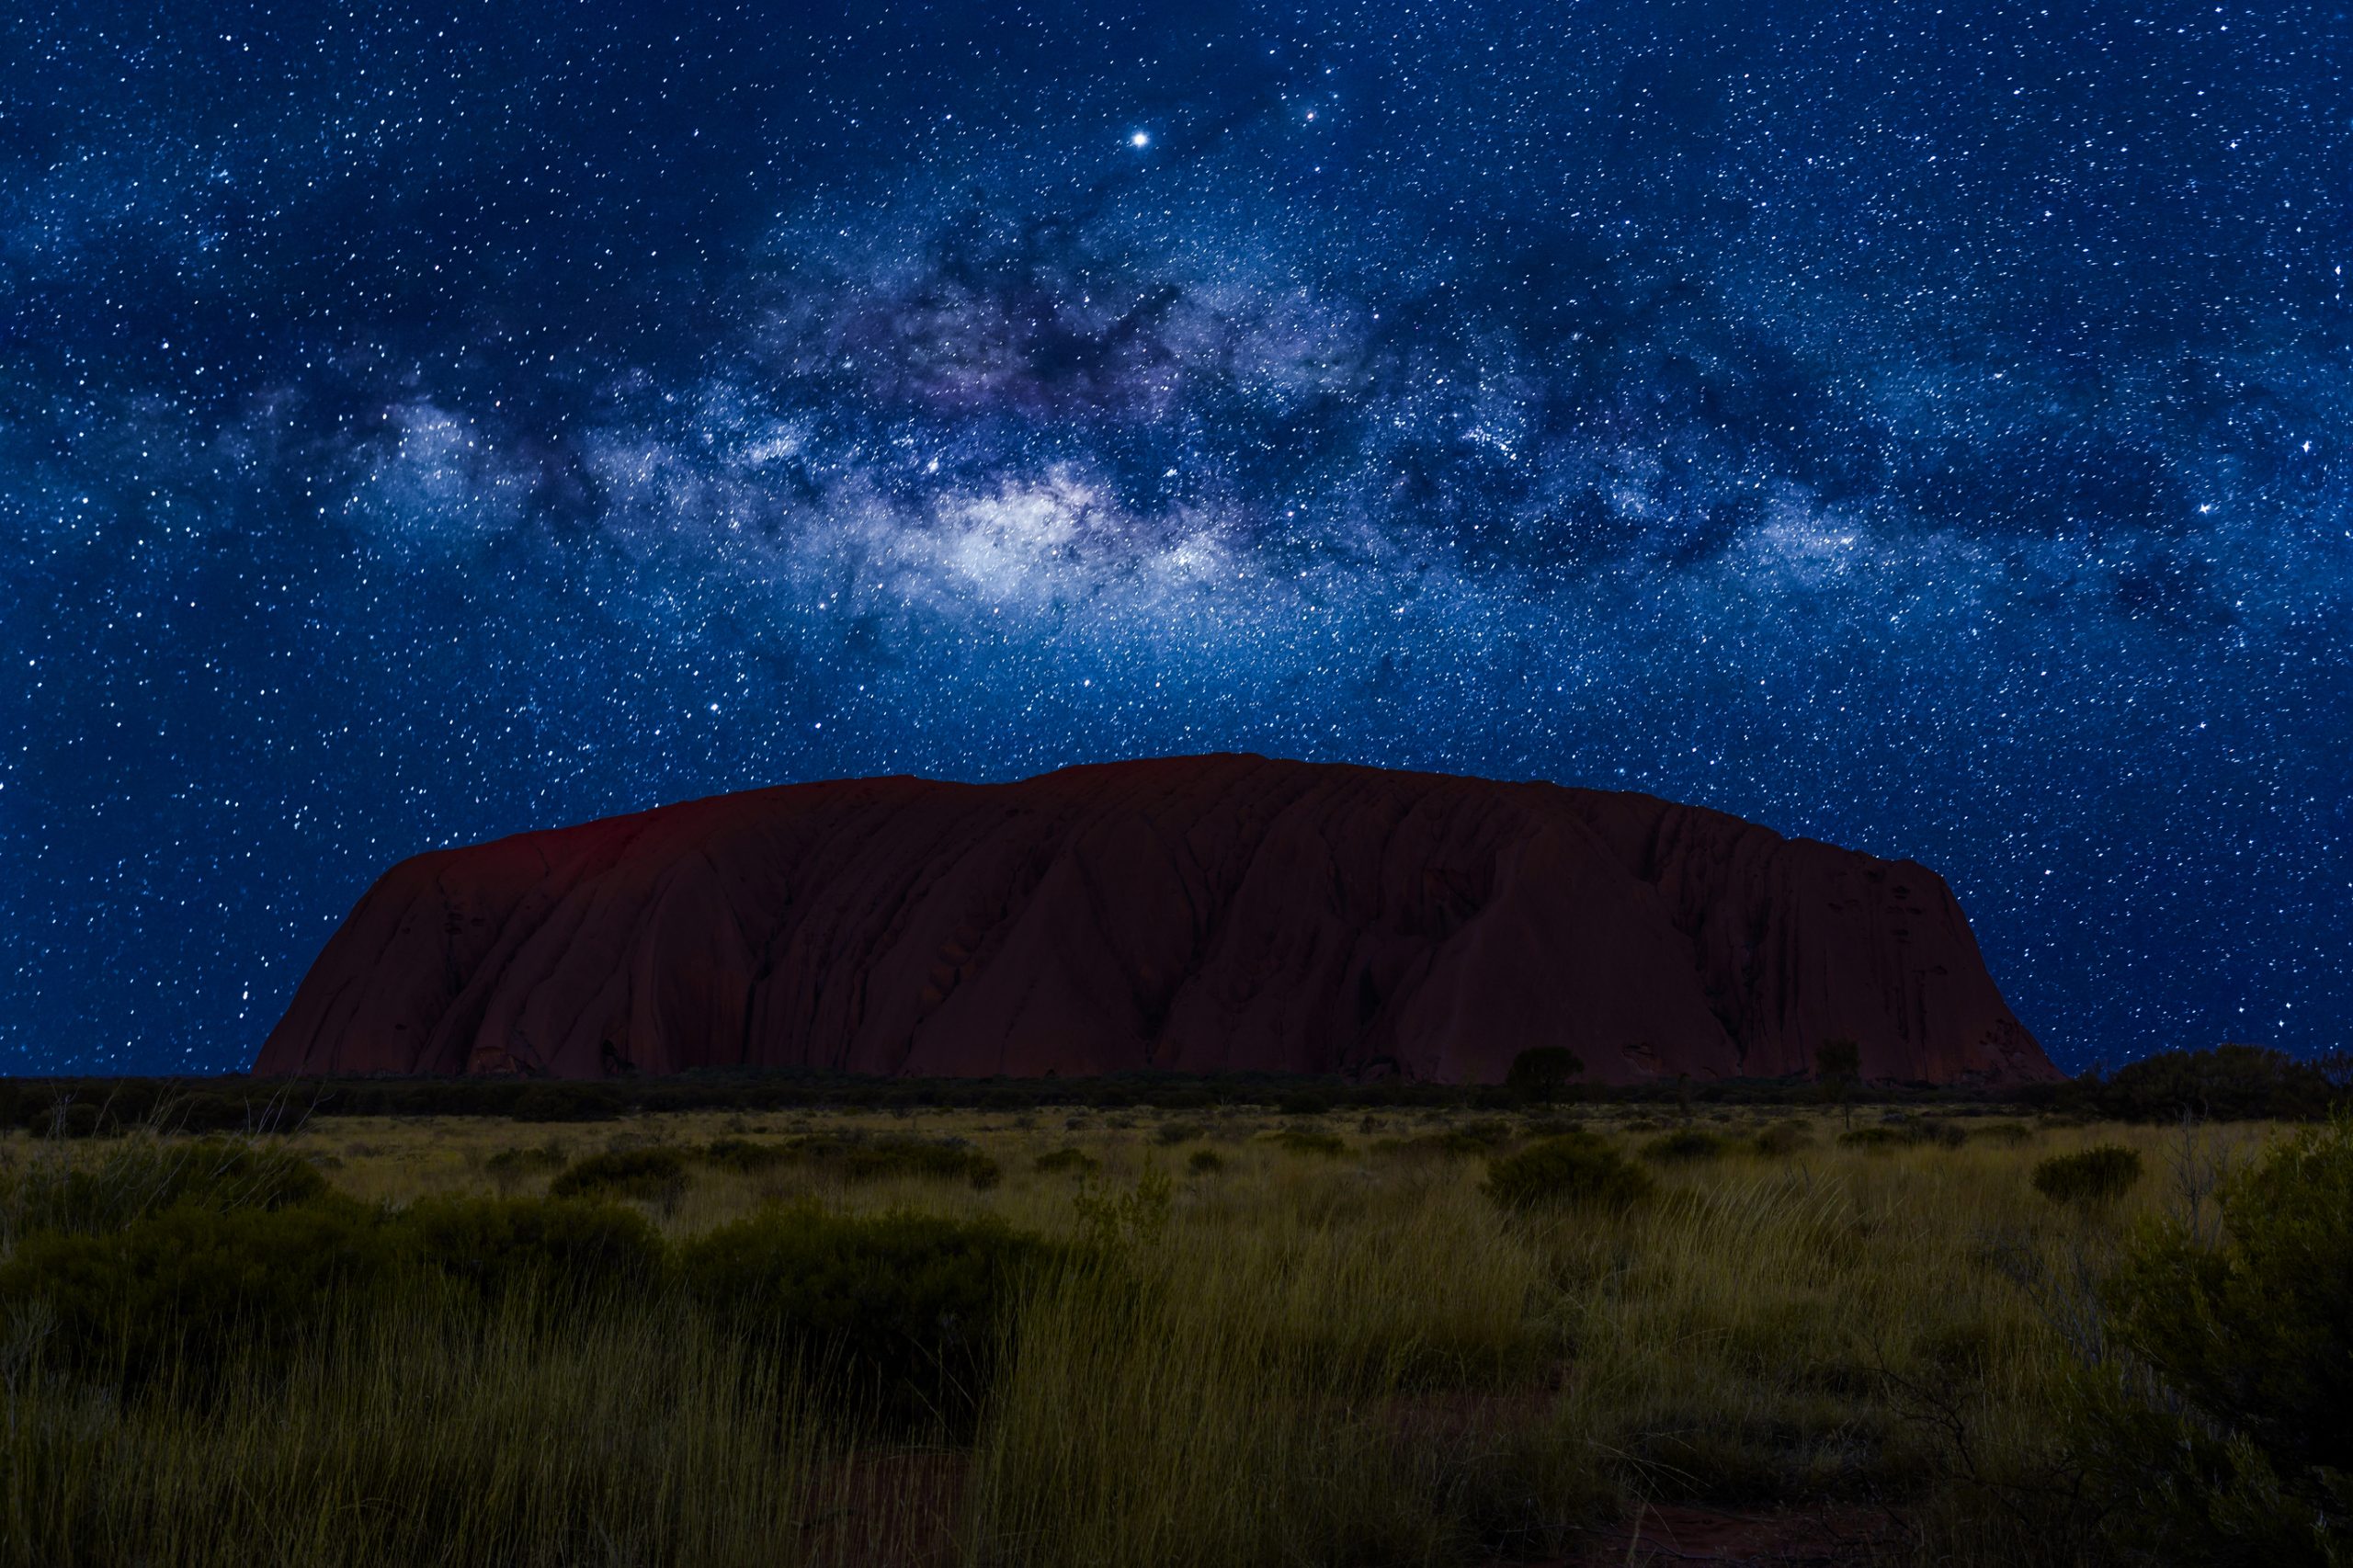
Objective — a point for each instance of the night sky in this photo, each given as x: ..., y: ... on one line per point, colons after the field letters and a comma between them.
x: 1925, y: 429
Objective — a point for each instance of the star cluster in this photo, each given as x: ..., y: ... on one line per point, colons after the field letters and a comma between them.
x: 1922, y: 428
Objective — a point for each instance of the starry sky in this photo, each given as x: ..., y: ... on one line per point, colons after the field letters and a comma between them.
x: 1927, y: 429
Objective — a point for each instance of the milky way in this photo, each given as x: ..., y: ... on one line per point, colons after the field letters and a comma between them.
x: 1926, y: 429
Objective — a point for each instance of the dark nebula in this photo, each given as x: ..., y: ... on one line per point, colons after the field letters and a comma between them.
x: 1926, y: 429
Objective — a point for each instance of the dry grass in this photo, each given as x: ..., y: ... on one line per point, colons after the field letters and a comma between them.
x: 1302, y: 1360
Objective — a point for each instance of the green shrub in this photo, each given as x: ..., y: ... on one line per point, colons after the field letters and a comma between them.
x: 876, y: 1159
x: 1905, y: 1132
x: 510, y: 1167
x: 1172, y: 1133
x: 2229, y: 1083
x: 1205, y: 1161
x: 904, y: 1308
x: 224, y: 1173
x: 76, y: 1118
x: 745, y: 1155
x: 1473, y: 1140
x: 1943, y: 1133
x: 1686, y: 1144
x: 1304, y: 1102
x: 1783, y: 1138
x: 1549, y: 1127
x: 1311, y: 1141
x: 1576, y: 1169
x: 491, y: 1245
x: 541, y: 1157
x: 1073, y: 1161
x: 1432, y: 1146
x: 2011, y: 1133
x: 143, y: 1176
x: 189, y: 1288
x: 186, y: 1287
x: 650, y: 1176
x: 1116, y: 1227
x: 2089, y: 1177
x: 2237, y: 1448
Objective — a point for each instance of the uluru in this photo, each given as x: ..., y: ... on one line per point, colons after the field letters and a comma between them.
x: 1200, y: 914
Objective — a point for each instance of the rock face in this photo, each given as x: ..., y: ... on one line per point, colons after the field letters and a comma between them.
x: 1194, y: 914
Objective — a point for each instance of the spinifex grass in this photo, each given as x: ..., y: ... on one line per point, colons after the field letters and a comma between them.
x: 599, y: 1433
x: 1278, y: 1358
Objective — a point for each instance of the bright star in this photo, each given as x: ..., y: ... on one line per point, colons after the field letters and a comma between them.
x: 1140, y: 139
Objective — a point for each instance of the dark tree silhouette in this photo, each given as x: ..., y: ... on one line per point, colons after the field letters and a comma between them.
x: 1838, y: 1067
x: 1542, y: 1073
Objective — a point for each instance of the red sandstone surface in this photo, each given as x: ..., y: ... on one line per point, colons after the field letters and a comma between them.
x: 1194, y: 914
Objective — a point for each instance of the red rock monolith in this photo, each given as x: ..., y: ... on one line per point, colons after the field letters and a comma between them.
x: 1200, y: 914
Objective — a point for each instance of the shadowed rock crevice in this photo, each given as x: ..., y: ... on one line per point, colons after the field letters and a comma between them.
x: 1198, y: 914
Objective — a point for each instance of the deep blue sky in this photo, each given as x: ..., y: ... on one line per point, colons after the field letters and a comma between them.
x: 1925, y: 429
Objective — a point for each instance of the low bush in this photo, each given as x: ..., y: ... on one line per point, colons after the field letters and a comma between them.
x: 1877, y: 1140
x: 1070, y: 1162
x: 1172, y: 1132
x: 1205, y: 1161
x: 904, y: 1308
x: 1684, y: 1147
x: 1943, y: 1134
x: 2234, y: 1448
x: 71, y: 1119
x: 876, y: 1159
x: 511, y: 1167
x: 649, y: 1176
x: 1116, y: 1227
x: 1781, y: 1139
x: 2009, y: 1134
x: 138, y: 1177
x: 1453, y: 1144
x: 188, y: 1285
x: 529, y: 1158
x: 2089, y: 1177
x: 2229, y: 1083
x: 1311, y: 1141
x: 491, y: 1245
x: 745, y: 1155
x: 191, y: 1287
x: 225, y: 1173
x: 1573, y: 1170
